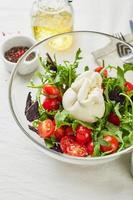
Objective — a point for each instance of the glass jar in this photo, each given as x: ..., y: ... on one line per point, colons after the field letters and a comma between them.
x: 51, y: 17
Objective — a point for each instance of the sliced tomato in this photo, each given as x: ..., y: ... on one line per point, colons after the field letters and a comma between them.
x: 105, y: 72
x: 65, y: 142
x: 71, y: 147
x: 46, y: 128
x: 69, y: 131
x: 83, y: 135
x: 59, y: 133
x: 51, y: 104
x: 90, y: 148
x: 113, y: 144
x: 129, y: 87
x: 75, y: 149
x: 51, y: 90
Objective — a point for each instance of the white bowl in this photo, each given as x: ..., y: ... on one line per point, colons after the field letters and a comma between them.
x: 19, y: 40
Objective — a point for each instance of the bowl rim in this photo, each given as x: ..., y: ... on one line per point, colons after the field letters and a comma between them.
x: 50, y: 152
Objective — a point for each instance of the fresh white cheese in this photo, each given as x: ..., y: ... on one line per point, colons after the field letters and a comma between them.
x: 84, y: 99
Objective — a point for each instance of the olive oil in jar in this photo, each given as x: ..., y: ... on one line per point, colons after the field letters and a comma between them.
x: 52, y: 18
x: 49, y: 24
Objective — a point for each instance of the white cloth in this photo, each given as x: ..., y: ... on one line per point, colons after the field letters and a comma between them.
x: 109, y: 53
x: 25, y: 172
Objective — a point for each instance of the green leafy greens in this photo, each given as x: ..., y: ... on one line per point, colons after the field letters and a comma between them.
x: 116, y: 99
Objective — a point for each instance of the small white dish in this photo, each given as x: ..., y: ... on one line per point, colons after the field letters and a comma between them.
x: 14, y: 41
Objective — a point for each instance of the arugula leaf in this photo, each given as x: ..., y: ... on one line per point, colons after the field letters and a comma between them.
x: 35, y: 123
x: 126, y: 141
x: 41, y: 62
x: 131, y: 138
x: 61, y: 76
x: 43, y: 115
x: 130, y: 101
x: 111, y: 128
x: 128, y: 67
x: 126, y: 127
x: 78, y: 57
x: 100, y: 124
x: 108, y: 108
x: 50, y: 142
x: 103, y: 142
x: 86, y: 68
x: 31, y: 84
x: 97, y: 151
x: 120, y: 77
x: 76, y: 122
x: 119, y: 135
x: 117, y: 110
x: 62, y: 118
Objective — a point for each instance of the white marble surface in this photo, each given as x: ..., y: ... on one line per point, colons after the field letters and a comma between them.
x: 25, y: 172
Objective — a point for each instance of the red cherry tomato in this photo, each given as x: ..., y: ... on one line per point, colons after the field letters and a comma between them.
x: 59, y: 98
x: 129, y: 87
x: 75, y: 149
x: 114, y: 119
x: 113, y: 144
x: 46, y: 128
x: 59, y: 133
x: 83, y: 135
x: 69, y: 131
x: 51, y: 104
x: 105, y: 72
x: 51, y: 90
x: 65, y: 142
x: 90, y: 148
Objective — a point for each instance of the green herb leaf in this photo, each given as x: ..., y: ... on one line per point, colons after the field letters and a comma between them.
x: 35, y: 123
x: 62, y: 118
x: 108, y: 108
x: 97, y: 151
x: 86, y: 68
x: 128, y: 67
x: 49, y: 143
x: 78, y: 53
x: 111, y: 128
x: 131, y: 138
x: 116, y: 109
x: 120, y: 77
x: 75, y: 123
x: 103, y: 142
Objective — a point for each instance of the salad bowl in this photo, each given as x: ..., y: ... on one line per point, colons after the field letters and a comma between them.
x: 63, y: 48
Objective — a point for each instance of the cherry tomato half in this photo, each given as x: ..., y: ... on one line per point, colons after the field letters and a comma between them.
x: 75, y: 149
x: 59, y: 133
x: 105, y: 72
x: 113, y: 144
x: 51, y: 104
x: 51, y: 90
x: 46, y: 128
x: 129, y: 87
x: 90, y: 148
x: 65, y: 142
x: 83, y: 135
x: 69, y: 131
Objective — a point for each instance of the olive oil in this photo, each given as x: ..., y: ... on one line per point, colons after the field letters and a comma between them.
x: 46, y: 24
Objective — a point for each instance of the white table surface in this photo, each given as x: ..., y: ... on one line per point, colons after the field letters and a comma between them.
x: 25, y: 172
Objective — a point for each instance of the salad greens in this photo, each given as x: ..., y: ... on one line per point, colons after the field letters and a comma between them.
x: 118, y: 100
